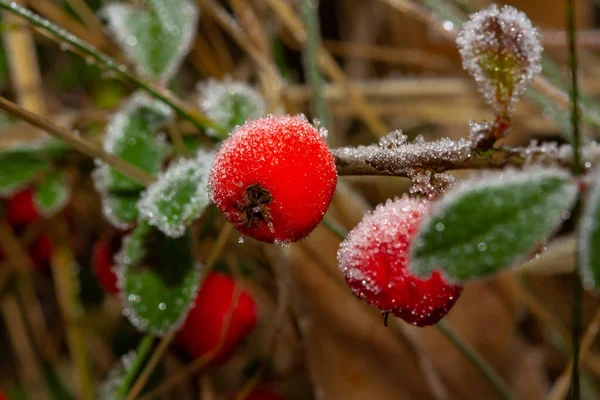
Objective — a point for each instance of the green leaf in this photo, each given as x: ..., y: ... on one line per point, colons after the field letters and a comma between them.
x: 17, y: 168
x: 589, y: 239
x: 131, y: 136
x: 120, y: 209
x: 492, y: 222
x: 230, y: 104
x: 179, y: 196
x: 155, y: 38
x: 158, y: 279
x: 52, y: 194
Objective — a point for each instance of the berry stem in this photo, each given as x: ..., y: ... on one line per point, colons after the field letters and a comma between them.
x: 577, y: 170
x: 478, y: 362
x: 109, y: 64
x: 141, y: 354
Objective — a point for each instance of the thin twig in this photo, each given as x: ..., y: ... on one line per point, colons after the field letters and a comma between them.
x: 78, y: 143
x: 141, y: 353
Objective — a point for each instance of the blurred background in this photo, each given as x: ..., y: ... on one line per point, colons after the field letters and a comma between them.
x: 313, y: 339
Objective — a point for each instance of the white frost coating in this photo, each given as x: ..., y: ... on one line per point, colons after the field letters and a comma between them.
x: 478, y: 38
x: 121, y: 261
x: 218, y: 101
x: 589, y: 224
x: 394, y: 154
x: 100, y: 178
x: 163, y: 192
x: 488, y: 179
x: 178, y: 20
x: 115, y: 128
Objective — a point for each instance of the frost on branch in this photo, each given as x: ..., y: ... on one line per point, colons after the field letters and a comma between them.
x: 179, y: 196
x: 131, y: 135
x: 491, y: 222
x: 394, y: 155
x: 230, y: 104
x: 502, y: 51
x: 154, y: 38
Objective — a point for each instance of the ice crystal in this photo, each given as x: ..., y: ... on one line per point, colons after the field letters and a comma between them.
x: 230, y: 103
x: 109, y: 388
x: 501, y: 49
x: 429, y: 184
x: 179, y: 196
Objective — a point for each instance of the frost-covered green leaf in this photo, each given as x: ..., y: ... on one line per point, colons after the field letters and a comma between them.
x: 52, y: 194
x: 132, y: 136
x: 179, y: 196
x: 158, y: 278
x: 230, y: 104
x: 18, y: 167
x: 156, y: 37
x: 589, y: 238
x: 490, y: 223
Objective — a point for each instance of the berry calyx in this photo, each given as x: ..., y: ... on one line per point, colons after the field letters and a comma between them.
x: 103, y: 261
x: 274, y: 178
x: 202, y: 328
x: 263, y: 394
x: 374, y: 260
x: 20, y: 208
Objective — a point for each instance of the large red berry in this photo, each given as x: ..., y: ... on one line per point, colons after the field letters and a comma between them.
x: 202, y: 328
x: 274, y: 178
x: 103, y: 256
x: 263, y: 394
x: 20, y: 209
x: 374, y: 260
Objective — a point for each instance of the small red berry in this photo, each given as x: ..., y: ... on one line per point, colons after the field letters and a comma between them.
x: 3, y: 396
x: 274, y: 178
x: 41, y: 252
x: 374, y: 260
x: 103, y: 262
x: 263, y: 394
x: 20, y: 209
x: 202, y: 328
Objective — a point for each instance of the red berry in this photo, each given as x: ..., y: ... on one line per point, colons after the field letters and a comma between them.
x: 103, y: 257
x: 202, y: 328
x: 374, y: 260
x: 41, y: 251
x: 263, y: 394
x: 20, y: 209
x: 274, y: 178
x: 3, y: 396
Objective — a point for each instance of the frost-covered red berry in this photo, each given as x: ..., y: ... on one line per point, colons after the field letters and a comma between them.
x: 202, y: 328
x: 103, y: 260
x: 20, y: 208
x: 274, y: 178
x: 374, y: 260
x: 263, y: 394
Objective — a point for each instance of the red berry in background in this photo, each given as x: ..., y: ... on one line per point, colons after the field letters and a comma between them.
x: 374, y: 260
x: 202, y: 328
x: 3, y: 396
x: 41, y: 251
x: 20, y: 209
x: 274, y: 178
x: 103, y: 262
x: 263, y: 394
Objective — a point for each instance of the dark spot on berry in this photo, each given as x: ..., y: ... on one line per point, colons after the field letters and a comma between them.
x: 385, y: 315
x: 253, y: 207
